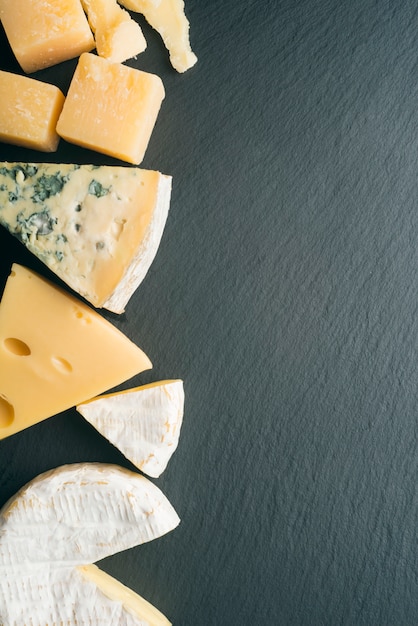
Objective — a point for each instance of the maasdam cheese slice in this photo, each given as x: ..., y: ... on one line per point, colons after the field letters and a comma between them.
x: 143, y: 423
x: 97, y: 227
x: 55, y: 352
x: 168, y: 18
x: 118, y: 37
x: 57, y: 526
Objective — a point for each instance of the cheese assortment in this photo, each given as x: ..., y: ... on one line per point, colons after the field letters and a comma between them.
x: 29, y: 112
x: 45, y: 33
x: 97, y: 227
x: 111, y: 108
x: 57, y: 349
x: 62, y: 522
x: 118, y: 37
x: 143, y: 423
x: 169, y: 19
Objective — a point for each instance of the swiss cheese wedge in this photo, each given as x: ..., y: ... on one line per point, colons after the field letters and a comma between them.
x: 97, y: 227
x: 57, y: 526
x: 143, y: 423
x: 167, y: 17
x: 55, y: 352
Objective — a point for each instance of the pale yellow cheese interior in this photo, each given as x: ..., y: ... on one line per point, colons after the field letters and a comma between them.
x: 116, y: 591
x: 111, y: 108
x: 168, y: 18
x: 29, y: 111
x: 42, y: 33
x: 55, y: 352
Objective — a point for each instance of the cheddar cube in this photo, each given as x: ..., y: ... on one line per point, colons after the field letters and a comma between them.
x: 44, y: 33
x: 29, y: 110
x: 111, y: 108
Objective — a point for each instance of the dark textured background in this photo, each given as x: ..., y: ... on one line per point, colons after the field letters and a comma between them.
x: 285, y: 294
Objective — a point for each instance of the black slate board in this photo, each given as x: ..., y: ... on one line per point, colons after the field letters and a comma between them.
x: 284, y: 293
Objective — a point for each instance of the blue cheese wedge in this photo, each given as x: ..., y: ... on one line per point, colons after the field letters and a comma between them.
x: 97, y: 227
x: 53, y: 530
x: 143, y: 423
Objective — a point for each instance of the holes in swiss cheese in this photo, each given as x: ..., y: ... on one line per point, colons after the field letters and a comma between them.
x: 17, y: 347
x: 7, y: 413
x: 62, y: 365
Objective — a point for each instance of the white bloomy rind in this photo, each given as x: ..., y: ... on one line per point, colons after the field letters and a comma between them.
x: 56, y: 526
x: 70, y: 596
x: 79, y: 514
x: 143, y: 423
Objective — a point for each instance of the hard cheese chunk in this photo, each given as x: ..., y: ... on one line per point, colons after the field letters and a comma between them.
x: 44, y: 33
x: 29, y: 111
x: 97, y: 228
x: 111, y: 108
x: 53, y: 530
x: 143, y: 423
x: 168, y: 18
x: 55, y: 352
x: 118, y: 37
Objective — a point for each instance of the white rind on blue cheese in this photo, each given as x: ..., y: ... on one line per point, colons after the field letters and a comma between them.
x: 55, y: 527
x: 143, y: 423
x: 98, y: 228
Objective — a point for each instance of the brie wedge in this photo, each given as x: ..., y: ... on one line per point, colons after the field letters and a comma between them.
x: 143, y: 423
x: 53, y: 530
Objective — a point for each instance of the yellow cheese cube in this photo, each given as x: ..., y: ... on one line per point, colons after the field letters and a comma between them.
x: 42, y: 33
x: 29, y: 110
x: 111, y: 108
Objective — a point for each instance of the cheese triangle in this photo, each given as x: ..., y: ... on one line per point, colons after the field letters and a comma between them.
x: 168, y: 18
x: 143, y: 423
x: 55, y: 352
x: 53, y: 529
x: 97, y: 227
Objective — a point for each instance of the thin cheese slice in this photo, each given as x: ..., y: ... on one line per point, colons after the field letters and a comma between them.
x: 29, y: 111
x: 143, y: 423
x: 111, y: 108
x: 120, y: 595
x: 55, y: 352
x: 118, y: 37
x: 45, y: 33
x: 168, y: 18
x: 97, y: 227
x: 53, y: 530
x: 72, y: 596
